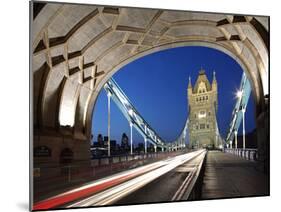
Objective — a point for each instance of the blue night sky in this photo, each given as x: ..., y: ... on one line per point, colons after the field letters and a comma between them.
x: 157, y: 86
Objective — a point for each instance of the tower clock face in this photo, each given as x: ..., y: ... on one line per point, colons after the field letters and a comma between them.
x: 202, y: 114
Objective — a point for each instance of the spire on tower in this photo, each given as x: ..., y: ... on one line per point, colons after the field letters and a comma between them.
x: 214, y: 77
x: 214, y: 83
x: 202, y: 71
x: 189, y: 82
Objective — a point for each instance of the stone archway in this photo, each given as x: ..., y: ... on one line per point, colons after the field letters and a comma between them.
x: 77, y: 48
x: 257, y: 92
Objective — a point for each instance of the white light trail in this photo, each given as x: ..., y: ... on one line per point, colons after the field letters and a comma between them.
x: 115, y: 193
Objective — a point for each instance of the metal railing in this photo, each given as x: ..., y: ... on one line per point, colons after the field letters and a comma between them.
x: 249, y: 154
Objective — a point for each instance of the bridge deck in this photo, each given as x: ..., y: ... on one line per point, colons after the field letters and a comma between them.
x: 227, y: 175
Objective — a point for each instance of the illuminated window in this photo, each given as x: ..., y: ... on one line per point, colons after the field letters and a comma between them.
x: 202, y: 114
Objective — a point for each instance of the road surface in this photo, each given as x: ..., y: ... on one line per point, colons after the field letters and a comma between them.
x: 111, y: 190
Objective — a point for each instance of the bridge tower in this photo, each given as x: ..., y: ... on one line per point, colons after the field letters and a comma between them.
x: 202, y: 105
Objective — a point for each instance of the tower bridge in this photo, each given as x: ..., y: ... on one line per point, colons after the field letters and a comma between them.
x: 68, y: 72
x: 75, y: 51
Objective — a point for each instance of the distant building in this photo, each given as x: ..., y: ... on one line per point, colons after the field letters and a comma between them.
x: 100, y: 140
x: 125, y: 143
x: 92, y: 139
x: 113, y: 145
x: 203, y: 105
x: 105, y: 140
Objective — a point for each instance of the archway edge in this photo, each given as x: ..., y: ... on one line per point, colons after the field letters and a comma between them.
x: 209, y: 44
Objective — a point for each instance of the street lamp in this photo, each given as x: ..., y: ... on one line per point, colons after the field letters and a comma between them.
x: 235, y: 133
x: 131, y: 112
x: 108, y: 122
x: 145, y: 140
x: 243, y: 119
x: 145, y: 144
x: 131, y: 128
x: 239, y: 94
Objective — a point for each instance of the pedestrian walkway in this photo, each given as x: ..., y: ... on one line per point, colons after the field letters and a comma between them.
x: 227, y: 175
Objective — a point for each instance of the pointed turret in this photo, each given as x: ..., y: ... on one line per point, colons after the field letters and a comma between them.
x: 214, y: 78
x: 189, y: 82
x: 189, y: 89
x: 214, y: 83
x: 214, y: 89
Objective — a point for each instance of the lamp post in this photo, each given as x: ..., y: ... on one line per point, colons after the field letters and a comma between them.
x: 145, y: 140
x: 240, y: 95
x: 131, y: 112
x: 235, y: 133
x: 155, y: 146
x: 131, y: 138
x: 108, y: 122
x: 243, y: 119
x: 145, y: 145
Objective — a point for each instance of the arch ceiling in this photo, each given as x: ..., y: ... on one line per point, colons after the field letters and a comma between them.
x: 76, y: 48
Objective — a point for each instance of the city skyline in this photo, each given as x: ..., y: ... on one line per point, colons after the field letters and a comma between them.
x: 171, y: 67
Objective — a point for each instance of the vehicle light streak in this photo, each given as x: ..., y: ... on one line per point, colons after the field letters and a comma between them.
x: 115, y: 193
x: 93, y: 187
x: 112, y: 188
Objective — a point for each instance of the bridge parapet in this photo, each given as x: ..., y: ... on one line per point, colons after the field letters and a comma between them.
x: 249, y: 154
